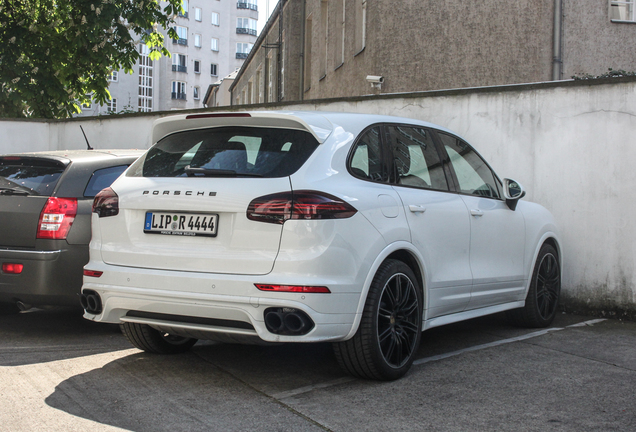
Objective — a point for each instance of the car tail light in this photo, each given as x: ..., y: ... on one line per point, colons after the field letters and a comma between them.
x: 279, y: 207
x: 106, y: 203
x: 293, y: 288
x: 56, y: 218
x: 93, y: 273
x: 12, y: 268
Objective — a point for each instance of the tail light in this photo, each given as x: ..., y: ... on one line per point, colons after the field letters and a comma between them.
x: 279, y: 207
x: 106, y: 203
x: 93, y: 273
x: 293, y: 288
x: 56, y: 218
x: 12, y: 268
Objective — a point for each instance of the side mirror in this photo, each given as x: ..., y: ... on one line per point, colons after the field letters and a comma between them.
x: 513, y: 192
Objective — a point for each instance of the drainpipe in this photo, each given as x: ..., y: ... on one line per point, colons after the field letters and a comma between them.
x: 301, y: 92
x: 557, y: 61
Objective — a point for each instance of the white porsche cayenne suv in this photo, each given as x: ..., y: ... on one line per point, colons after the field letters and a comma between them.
x: 361, y: 230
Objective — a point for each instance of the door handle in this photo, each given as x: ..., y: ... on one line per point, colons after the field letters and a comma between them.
x: 476, y: 213
x: 417, y: 208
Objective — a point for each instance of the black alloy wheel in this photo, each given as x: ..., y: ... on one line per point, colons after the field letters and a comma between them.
x: 389, y: 333
x: 398, y: 314
x: 543, y: 296
x: 548, y: 286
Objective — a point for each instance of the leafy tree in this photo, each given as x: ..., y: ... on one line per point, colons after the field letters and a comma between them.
x: 55, y: 53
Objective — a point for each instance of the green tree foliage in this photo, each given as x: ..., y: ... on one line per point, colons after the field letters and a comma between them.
x: 55, y: 53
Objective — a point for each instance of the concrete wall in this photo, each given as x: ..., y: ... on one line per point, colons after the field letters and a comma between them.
x: 592, y: 43
x: 415, y: 45
x: 571, y: 145
x: 419, y: 45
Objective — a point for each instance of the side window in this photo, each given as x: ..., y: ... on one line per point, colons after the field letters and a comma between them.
x: 415, y: 157
x: 366, y: 162
x: 473, y: 175
x: 102, y: 178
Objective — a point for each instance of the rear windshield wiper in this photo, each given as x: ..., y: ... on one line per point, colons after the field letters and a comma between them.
x: 14, y: 191
x: 211, y: 172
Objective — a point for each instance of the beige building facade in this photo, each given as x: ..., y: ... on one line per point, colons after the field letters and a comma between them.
x: 316, y: 49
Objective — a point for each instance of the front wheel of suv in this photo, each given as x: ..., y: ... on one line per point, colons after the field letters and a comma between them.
x: 148, y: 339
x: 388, y: 337
x: 543, y: 296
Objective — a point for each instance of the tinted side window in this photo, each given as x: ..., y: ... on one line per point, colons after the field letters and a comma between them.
x: 366, y: 161
x: 473, y: 175
x: 415, y: 157
x: 102, y: 178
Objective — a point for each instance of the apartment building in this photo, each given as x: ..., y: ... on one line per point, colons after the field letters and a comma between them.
x: 214, y: 39
x: 315, y: 49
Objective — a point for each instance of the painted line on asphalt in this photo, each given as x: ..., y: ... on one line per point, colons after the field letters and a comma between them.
x: 588, y: 323
x: 504, y: 342
x: 310, y: 388
x: 487, y: 345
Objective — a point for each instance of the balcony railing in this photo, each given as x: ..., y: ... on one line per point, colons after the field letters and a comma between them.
x: 179, y: 68
x: 243, y: 30
x: 245, y: 5
x: 180, y: 41
x: 183, y: 14
x: 241, y: 55
x: 181, y: 96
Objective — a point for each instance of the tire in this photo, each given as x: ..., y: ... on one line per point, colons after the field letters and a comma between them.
x: 146, y: 338
x: 390, y: 330
x: 543, y: 296
x: 9, y: 308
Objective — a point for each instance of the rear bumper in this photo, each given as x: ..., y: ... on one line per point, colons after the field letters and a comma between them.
x: 230, y: 300
x: 48, y: 277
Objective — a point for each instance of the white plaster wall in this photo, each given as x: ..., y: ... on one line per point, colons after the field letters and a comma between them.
x: 21, y: 136
x: 106, y: 132
x: 573, y: 149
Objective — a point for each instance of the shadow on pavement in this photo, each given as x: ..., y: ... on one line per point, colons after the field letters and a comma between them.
x: 145, y: 392
x: 234, y: 387
x: 39, y: 336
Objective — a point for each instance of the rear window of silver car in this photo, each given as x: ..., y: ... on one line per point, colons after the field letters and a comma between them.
x: 227, y: 152
x: 28, y: 175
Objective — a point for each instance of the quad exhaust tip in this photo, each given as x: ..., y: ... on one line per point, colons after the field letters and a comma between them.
x: 287, y: 321
x: 91, y: 302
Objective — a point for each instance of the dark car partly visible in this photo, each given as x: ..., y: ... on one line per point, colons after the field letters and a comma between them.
x: 45, y: 222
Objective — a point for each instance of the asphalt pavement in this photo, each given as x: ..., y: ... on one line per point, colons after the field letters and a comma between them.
x: 59, y: 372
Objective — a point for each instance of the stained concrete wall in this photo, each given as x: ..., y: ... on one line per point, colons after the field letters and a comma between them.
x: 592, y: 42
x: 571, y: 145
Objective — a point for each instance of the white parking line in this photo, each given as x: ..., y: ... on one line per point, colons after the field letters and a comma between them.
x: 503, y: 342
x: 588, y: 323
x: 485, y: 346
x: 307, y: 389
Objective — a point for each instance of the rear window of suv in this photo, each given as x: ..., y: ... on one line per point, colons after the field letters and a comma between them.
x: 28, y: 175
x: 227, y: 151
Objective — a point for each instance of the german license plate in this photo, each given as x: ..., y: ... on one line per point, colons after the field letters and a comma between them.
x: 181, y: 224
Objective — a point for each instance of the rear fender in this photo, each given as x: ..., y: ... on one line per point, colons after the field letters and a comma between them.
x: 544, y: 237
x: 386, y: 252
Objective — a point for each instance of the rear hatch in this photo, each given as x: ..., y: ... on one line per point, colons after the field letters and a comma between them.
x: 183, y: 205
x: 26, y: 182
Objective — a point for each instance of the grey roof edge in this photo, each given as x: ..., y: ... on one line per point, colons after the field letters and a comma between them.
x: 407, y: 95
